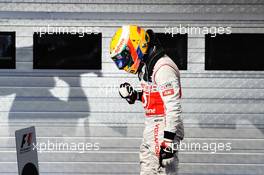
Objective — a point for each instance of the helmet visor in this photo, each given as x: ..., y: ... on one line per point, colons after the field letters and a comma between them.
x: 123, y: 59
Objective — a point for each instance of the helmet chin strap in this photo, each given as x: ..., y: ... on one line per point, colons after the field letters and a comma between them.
x: 141, y: 64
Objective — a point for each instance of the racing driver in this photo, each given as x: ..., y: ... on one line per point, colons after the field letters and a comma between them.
x: 139, y: 52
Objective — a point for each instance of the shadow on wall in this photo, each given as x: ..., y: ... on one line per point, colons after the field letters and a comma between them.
x: 51, y: 100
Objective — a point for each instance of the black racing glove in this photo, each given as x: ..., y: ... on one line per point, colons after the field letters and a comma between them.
x: 166, y: 152
x: 127, y: 92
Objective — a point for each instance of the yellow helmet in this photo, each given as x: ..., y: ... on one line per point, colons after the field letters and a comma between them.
x: 128, y: 47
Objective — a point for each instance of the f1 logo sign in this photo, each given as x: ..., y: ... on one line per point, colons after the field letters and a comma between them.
x: 27, y: 157
x: 27, y: 138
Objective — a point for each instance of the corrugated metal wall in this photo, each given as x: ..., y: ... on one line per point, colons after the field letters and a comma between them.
x: 84, y: 106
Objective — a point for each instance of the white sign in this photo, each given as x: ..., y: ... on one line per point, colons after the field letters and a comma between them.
x: 27, y: 155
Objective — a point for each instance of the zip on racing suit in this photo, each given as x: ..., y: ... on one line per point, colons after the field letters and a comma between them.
x: 160, y: 96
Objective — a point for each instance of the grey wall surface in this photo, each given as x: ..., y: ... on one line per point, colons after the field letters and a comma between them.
x: 84, y: 106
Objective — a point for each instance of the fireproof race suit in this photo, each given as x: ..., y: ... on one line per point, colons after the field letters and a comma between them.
x: 161, y: 101
x: 160, y: 95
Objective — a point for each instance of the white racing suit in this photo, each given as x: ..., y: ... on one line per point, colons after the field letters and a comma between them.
x: 161, y: 101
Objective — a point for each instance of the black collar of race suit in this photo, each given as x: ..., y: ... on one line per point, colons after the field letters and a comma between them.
x: 154, y: 53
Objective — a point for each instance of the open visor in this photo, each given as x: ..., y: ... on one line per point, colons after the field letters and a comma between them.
x: 123, y: 59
